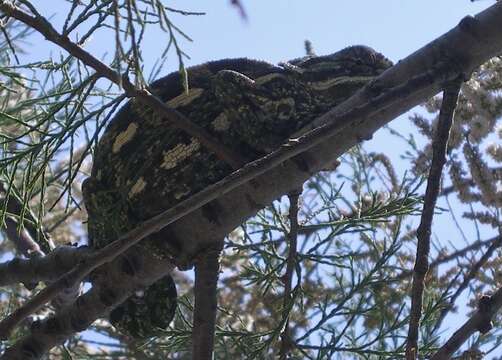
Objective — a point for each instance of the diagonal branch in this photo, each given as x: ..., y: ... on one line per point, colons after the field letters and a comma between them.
x: 439, y: 145
x: 43, y: 26
x: 95, y: 303
x: 24, y: 242
x: 42, y: 268
x: 21, y: 228
x: 488, y: 306
x: 441, y: 259
x: 471, y: 275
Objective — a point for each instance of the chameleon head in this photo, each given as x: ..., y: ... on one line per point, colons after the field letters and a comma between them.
x: 340, y: 73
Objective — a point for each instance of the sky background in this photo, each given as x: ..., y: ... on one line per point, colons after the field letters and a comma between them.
x: 276, y: 30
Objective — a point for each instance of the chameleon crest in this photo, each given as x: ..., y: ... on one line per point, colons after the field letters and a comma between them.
x: 143, y: 165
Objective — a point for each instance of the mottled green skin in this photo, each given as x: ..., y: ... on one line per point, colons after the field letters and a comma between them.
x: 147, y: 313
x: 143, y: 165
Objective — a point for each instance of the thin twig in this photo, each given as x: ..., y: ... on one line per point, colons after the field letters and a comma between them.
x: 240, y: 8
x: 38, y: 239
x: 288, y: 276
x: 467, y: 279
x: 441, y: 259
x: 439, y: 146
x: 8, y: 41
x: 184, y: 12
x: 43, y: 26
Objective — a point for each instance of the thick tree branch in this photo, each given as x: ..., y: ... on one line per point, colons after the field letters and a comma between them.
x: 84, y: 267
x: 42, y: 268
x: 23, y: 238
x: 95, y: 303
x: 470, y: 44
x: 44, y: 27
x: 439, y: 145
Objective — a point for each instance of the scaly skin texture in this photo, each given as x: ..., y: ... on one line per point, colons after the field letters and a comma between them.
x: 143, y: 166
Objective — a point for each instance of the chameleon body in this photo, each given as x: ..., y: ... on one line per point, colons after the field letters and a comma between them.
x: 143, y: 165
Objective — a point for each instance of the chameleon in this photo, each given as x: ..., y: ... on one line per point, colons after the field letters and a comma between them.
x: 142, y: 165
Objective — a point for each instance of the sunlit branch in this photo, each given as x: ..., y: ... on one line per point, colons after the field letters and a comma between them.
x: 450, y: 96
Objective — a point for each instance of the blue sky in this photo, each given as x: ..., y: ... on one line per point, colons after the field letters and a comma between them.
x: 276, y: 30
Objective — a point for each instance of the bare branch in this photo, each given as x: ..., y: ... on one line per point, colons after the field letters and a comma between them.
x: 450, y: 96
x: 288, y: 276
x: 42, y: 268
x: 240, y: 8
x: 23, y: 235
x: 441, y: 259
x: 95, y: 303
